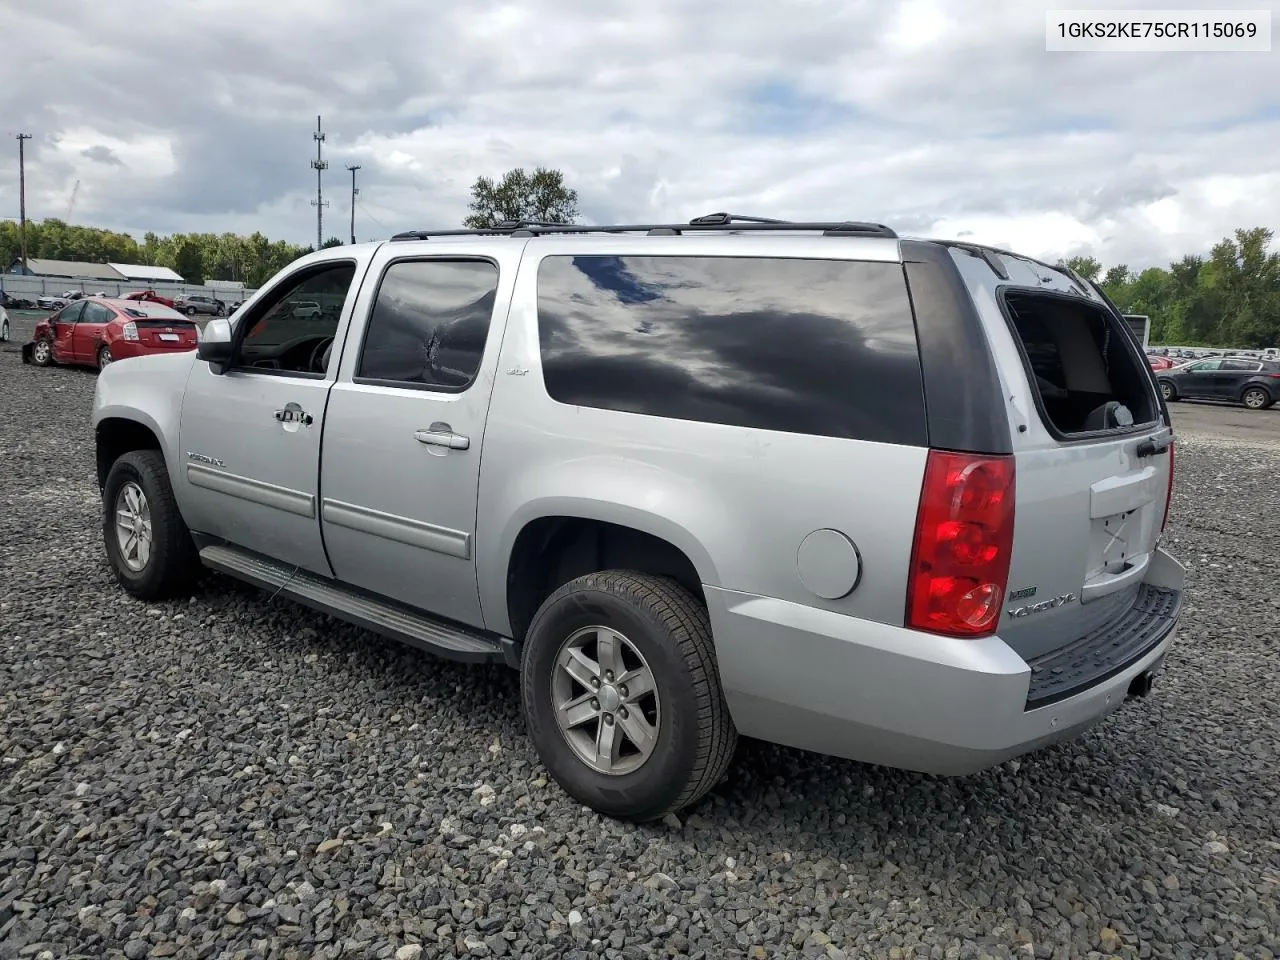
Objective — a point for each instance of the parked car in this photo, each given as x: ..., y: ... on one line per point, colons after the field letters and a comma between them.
x: 1253, y: 383
x: 97, y: 331
x: 50, y: 302
x: 307, y: 310
x: 197, y: 303
x: 1160, y: 363
x: 687, y: 479
x: 149, y: 296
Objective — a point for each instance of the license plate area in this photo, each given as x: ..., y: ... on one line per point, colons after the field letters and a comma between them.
x: 169, y: 337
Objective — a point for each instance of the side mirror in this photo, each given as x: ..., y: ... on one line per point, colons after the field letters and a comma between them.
x: 215, y: 345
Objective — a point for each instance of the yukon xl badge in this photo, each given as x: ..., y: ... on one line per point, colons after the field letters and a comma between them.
x: 1042, y: 606
x: 201, y: 458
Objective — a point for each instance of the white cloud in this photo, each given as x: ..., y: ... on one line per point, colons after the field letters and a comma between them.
x: 941, y: 116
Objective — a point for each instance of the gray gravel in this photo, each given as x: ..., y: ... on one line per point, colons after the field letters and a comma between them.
x: 232, y: 777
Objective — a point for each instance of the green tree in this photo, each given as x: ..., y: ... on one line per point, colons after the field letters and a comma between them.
x: 331, y: 242
x: 540, y: 196
x: 1087, y: 267
x: 188, y: 260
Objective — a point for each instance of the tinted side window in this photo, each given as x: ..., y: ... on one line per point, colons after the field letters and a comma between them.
x: 429, y: 323
x: 289, y: 331
x: 1251, y: 365
x: 822, y: 347
x: 70, y: 313
x: 96, y: 313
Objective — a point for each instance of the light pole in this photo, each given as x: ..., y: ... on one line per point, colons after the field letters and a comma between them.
x: 22, y: 195
x: 353, y: 167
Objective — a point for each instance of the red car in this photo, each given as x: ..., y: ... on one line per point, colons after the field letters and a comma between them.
x: 149, y: 296
x: 97, y: 330
x: 1160, y: 363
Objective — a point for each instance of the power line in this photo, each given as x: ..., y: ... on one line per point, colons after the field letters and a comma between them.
x: 22, y: 194
x: 377, y: 222
x: 353, y: 167
x: 319, y: 202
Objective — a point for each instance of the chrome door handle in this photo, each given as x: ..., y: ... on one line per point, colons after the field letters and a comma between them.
x: 288, y: 415
x: 442, y: 435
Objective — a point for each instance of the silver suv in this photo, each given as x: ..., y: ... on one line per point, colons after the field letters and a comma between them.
x: 894, y: 500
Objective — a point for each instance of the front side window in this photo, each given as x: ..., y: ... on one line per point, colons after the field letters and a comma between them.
x: 821, y: 347
x: 70, y: 313
x: 1205, y: 365
x: 291, y: 330
x: 429, y: 324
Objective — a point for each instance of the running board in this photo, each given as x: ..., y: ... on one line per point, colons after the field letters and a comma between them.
x: 384, y: 617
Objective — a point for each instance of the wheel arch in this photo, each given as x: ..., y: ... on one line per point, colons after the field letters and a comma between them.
x: 564, y: 541
x: 115, y: 436
x: 1272, y: 394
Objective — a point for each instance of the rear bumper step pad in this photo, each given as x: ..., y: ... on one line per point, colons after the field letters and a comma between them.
x: 1106, y: 651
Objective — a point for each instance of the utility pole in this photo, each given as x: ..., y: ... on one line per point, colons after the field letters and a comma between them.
x: 319, y: 202
x: 22, y: 195
x: 353, y: 167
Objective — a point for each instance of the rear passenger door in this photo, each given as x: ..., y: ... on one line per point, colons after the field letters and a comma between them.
x: 1230, y: 377
x: 405, y: 426
x: 90, y: 330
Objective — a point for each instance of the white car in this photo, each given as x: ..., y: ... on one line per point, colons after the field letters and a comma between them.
x: 307, y: 310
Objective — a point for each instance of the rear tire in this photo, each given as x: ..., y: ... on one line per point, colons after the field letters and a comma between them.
x: 1255, y: 398
x: 1168, y: 391
x: 104, y: 356
x: 664, y: 638
x: 4, y: 332
x: 147, y: 542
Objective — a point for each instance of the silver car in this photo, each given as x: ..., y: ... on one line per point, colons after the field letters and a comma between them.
x: 895, y: 500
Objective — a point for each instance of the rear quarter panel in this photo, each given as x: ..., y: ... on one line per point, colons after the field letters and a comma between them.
x: 738, y: 502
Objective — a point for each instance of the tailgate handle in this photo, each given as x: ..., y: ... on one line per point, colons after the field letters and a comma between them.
x: 1151, y: 446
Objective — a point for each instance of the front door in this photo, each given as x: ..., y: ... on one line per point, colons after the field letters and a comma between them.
x: 405, y: 428
x: 250, y: 436
x: 64, y: 331
x: 1197, y: 379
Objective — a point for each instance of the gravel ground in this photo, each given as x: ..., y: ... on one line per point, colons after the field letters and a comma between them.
x: 234, y: 777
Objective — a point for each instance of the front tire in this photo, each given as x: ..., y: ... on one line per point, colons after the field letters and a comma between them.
x: 191, y: 311
x: 1255, y: 398
x: 4, y: 332
x: 622, y: 695
x: 148, y: 544
x: 42, y: 353
x: 1167, y: 391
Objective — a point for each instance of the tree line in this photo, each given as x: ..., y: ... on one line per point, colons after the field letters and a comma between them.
x: 1231, y: 298
x: 197, y: 257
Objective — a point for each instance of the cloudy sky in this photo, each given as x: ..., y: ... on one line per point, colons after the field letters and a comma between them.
x: 939, y: 117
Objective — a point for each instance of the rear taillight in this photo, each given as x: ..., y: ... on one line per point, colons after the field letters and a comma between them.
x: 130, y: 331
x: 964, y: 535
x: 1168, y: 496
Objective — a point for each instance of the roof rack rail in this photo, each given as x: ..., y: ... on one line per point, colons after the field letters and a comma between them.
x: 711, y: 222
